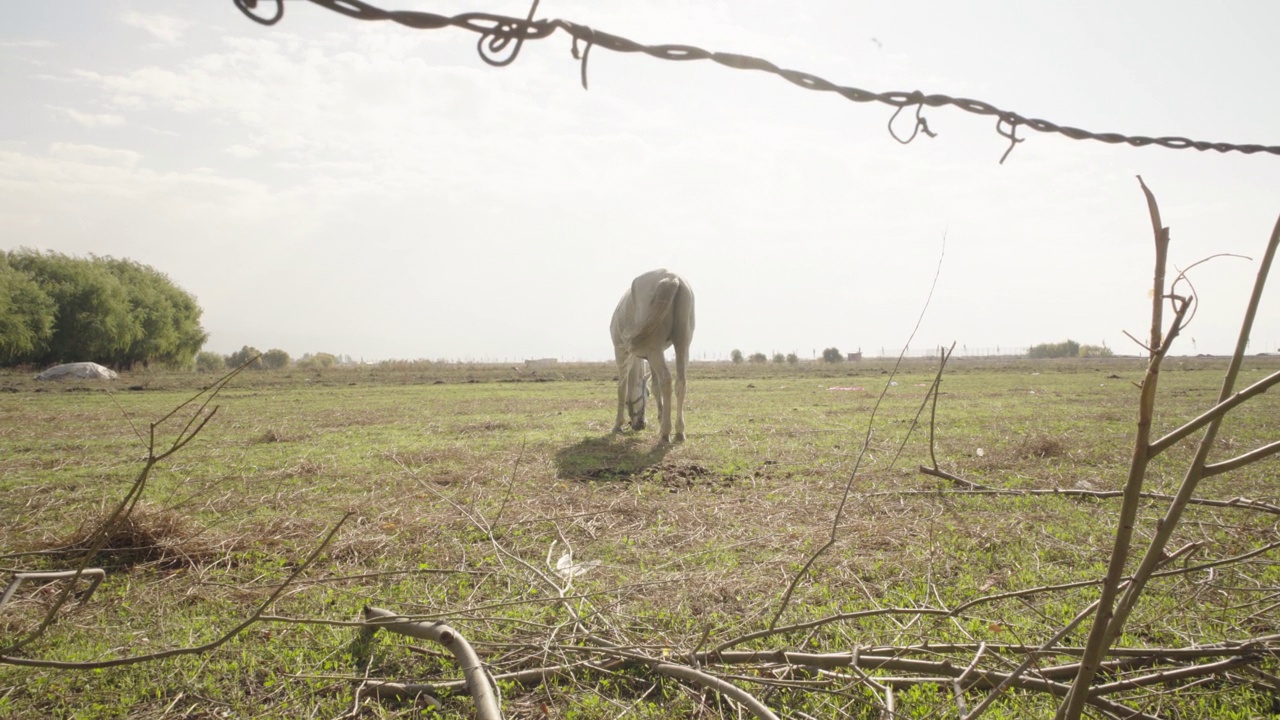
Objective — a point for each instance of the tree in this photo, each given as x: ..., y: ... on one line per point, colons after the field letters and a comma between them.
x: 27, y: 316
x: 168, y: 316
x: 275, y: 359
x: 832, y: 355
x: 93, y: 319
x: 244, y: 355
x: 116, y: 312
x: 736, y: 356
x: 779, y: 358
x: 759, y: 358
x: 792, y: 358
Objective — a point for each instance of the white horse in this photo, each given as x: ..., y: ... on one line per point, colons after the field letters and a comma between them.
x: 653, y: 315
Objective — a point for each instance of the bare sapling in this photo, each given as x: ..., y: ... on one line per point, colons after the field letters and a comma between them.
x: 1110, y: 616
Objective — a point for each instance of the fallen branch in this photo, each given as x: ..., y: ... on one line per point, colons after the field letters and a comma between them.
x: 483, y: 691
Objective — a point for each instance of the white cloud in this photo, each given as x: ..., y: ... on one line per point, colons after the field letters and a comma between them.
x: 164, y: 28
x: 242, y: 151
x: 94, y: 120
x: 94, y: 155
x: 27, y: 44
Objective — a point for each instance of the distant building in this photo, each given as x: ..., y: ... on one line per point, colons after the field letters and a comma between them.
x: 855, y: 355
x: 541, y: 362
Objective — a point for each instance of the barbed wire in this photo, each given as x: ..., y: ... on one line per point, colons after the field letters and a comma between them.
x: 503, y: 36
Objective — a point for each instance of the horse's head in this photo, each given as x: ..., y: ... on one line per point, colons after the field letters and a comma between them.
x: 637, y: 394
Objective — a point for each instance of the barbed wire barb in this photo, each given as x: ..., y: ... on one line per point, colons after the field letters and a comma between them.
x: 497, y: 39
x: 497, y: 32
x: 586, y: 50
x: 1012, y: 134
x: 921, y: 125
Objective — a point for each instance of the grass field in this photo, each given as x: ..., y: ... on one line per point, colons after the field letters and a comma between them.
x: 464, y: 484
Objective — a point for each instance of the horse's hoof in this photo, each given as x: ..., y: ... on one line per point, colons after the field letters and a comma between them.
x: 617, y: 429
x: 679, y: 437
x: 664, y: 440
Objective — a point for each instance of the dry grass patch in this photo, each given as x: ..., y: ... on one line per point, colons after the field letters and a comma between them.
x: 1042, y: 447
x: 148, y: 536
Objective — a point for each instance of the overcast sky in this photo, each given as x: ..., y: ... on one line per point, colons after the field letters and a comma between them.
x: 367, y: 189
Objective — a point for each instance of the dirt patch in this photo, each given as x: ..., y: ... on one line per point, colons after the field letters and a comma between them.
x: 611, y: 457
x: 679, y: 475
x: 605, y: 474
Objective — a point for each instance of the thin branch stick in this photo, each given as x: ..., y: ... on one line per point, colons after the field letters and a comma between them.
x: 1168, y: 676
x: 968, y: 484
x: 1013, y: 677
x: 523, y: 677
x: 933, y: 410
x: 956, y: 611
x: 866, y: 444
x: 1214, y: 413
x: 1071, y: 708
x: 958, y: 684
x: 930, y: 394
x: 977, y: 489
x: 1242, y: 460
x: 837, y: 617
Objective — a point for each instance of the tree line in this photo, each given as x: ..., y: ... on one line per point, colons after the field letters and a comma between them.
x: 273, y: 359
x: 57, y: 308
x: 1068, y: 348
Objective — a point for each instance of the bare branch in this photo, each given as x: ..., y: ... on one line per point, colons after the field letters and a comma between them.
x: 482, y: 689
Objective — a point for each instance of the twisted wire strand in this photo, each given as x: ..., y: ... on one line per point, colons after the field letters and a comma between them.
x: 501, y: 34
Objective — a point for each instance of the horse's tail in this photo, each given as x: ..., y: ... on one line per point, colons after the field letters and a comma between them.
x: 657, y: 321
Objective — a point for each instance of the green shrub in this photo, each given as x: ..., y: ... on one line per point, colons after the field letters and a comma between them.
x: 244, y: 355
x: 1069, y: 348
x: 317, y: 361
x: 275, y: 359
x: 210, y: 362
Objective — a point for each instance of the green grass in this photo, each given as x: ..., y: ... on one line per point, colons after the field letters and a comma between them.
x: 437, y: 462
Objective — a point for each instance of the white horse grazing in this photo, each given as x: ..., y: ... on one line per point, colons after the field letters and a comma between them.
x: 655, y: 314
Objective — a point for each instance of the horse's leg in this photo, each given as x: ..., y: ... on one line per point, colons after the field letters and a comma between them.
x: 623, y: 376
x: 662, y: 388
x: 682, y: 367
x: 635, y: 394
x: 657, y: 396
